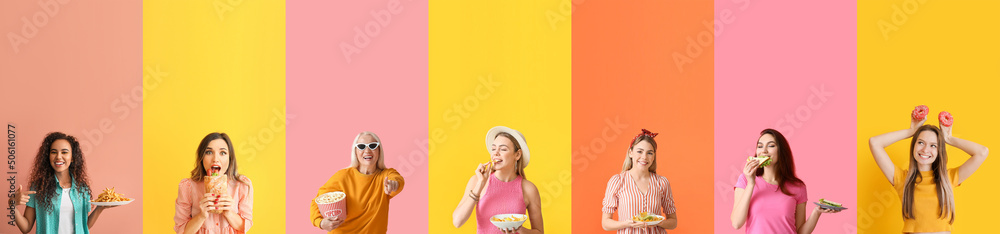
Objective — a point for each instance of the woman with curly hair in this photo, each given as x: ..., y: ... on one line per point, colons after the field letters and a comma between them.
x: 58, y: 200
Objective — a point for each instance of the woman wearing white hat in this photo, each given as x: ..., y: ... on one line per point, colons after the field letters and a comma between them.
x: 500, y: 187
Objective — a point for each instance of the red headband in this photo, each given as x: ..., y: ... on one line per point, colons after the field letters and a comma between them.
x: 644, y: 133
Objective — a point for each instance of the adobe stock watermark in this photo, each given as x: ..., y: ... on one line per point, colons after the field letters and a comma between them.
x: 554, y: 189
x: 454, y: 116
x: 364, y: 34
x: 223, y: 7
x: 32, y: 23
x: 589, y: 152
x: 698, y: 43
x: 899, y: 16
x: 867, y: 215
x: 462, y: 110
x: 792, y: 120
x: 122, y: 107
x: 563, y: 13
x: 264, y: 136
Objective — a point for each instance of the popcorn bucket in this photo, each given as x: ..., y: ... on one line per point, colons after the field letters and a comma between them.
x: 332, y: 204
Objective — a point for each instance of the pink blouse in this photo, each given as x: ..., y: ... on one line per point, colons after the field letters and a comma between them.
x: 190, y: 192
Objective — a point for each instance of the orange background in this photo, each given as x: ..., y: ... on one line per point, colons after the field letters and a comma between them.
x: 624, y: 72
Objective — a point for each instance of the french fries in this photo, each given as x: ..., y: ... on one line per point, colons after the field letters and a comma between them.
x: 512, y: 218
x: 109, y: 195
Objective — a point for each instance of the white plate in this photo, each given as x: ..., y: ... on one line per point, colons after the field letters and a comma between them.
x: 509, y: 225
x: 111, y: 203
x: 651, y: 223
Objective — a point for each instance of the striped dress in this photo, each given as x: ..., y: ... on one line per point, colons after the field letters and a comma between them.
x: 624, y: 197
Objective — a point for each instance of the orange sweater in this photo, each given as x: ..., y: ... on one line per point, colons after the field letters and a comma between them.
x: 367, y: 203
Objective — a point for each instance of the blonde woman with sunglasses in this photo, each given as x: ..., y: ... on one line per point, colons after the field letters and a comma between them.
x: 368, y: 186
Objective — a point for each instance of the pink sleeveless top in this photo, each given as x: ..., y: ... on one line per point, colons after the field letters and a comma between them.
x: 499, y: 198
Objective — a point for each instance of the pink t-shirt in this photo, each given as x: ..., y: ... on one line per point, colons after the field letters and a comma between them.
x: 770, y: 210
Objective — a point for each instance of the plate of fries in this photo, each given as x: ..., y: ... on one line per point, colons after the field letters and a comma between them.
x: 110, y: 198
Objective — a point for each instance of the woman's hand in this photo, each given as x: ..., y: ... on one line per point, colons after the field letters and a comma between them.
x: 483, y: 171
x: 514, y: 230
x: 208, y: 202
x: 946, y: 130
x: 390, y: 186
x: 225, y: 203
x: 635, y: 224
x: 915, y: 124
x: 21, y: 197
x: 750, y: 171
x: 824, y: 210
x: 328, y: 224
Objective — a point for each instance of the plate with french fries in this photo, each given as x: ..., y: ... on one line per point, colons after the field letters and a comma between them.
x: 110, y: 198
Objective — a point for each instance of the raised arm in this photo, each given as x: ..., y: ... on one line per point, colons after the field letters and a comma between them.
x: 878, y: 143
x: 741, y: 197
x: 470, y: 196
x: 977, y: 151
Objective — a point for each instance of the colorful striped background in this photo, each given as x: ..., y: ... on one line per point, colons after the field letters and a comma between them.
x: 294, y: 81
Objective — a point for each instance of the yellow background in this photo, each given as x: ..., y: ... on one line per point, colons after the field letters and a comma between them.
x: 223, y: 74
x: 512, y: 42
x: 946, y: 56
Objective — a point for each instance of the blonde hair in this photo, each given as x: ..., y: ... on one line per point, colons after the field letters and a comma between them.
x: 517, y: 148
x: 381, y: 151
x: 628, y: 160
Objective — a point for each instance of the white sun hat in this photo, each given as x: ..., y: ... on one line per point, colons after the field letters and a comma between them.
x: 492, y: 135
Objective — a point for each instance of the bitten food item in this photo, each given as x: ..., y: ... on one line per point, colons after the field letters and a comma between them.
x: 216, y: 183
x: 830, y: 203
x: 491, y: 164
x: 920, y: 112
x: 764, y: 161
x: 945, y: 118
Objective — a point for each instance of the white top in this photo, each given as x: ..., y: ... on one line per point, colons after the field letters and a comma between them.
x: 65, y: 213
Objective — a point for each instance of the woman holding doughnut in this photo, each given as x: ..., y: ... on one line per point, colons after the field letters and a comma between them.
x: 926, y: 186
x: 367, y: 185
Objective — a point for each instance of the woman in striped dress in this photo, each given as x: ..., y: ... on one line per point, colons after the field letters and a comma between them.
x: 638, y: 189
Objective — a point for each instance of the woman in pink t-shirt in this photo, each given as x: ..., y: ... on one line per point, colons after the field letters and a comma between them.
x: 770, y: 198
x: 638, y: 189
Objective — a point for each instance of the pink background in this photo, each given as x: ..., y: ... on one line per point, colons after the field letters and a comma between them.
x: 383, y: 89
x: 55, y: 84
x: 768, y: 58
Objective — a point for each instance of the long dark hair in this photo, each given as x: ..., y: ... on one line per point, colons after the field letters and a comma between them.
x: 785, y: 165
x: 198, y: 174
x: 43, y: 177
x: 946, y: 199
